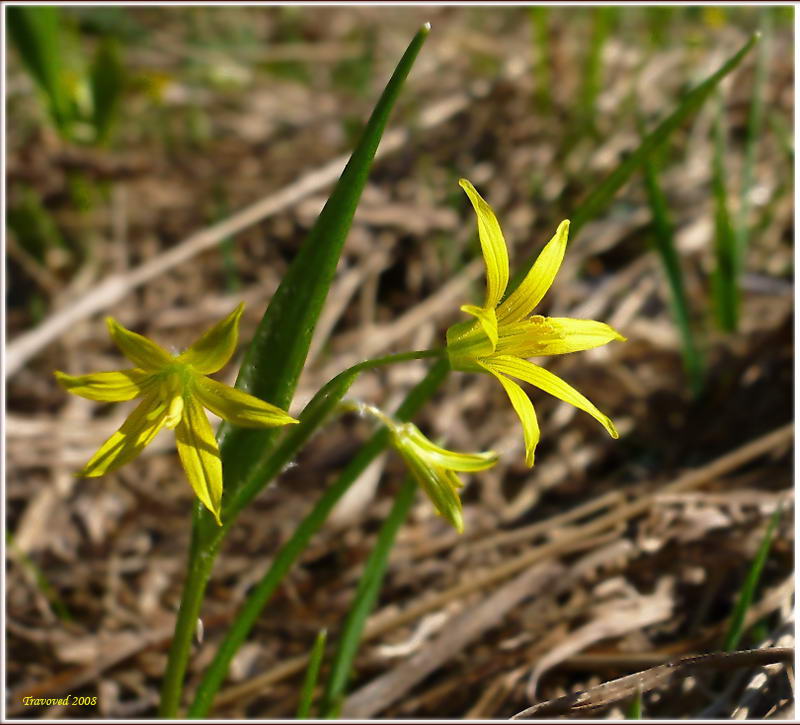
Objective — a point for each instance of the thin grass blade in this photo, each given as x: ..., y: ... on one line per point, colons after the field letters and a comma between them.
x: 664, y: 239
x: 724, y: 281
x: 107, y: 80
x: 312, y: 675
x: 634, y: 711
x: 599, y: 198
x: 748, y: 591
x: 755, y: 123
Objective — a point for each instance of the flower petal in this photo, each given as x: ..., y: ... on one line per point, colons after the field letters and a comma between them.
x: 199, y: 454
x: 539, y: 335
x: 495, y: 254
x: 522, y: 301
x: 442, y: 457
x: 578, y: 335
x: 488, y: 319
x: 139, y: 428
x: 440, y: 488
x: 238, y: 407
x: 524, y: 409
x: 137, y: 348
x: 550, y: 383
x: 111, y: 386
x: 215, y: 347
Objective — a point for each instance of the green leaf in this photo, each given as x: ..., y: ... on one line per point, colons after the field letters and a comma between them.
x: 755, y: 122
x: 278, y: 351
x: 36, y: 33
x: 273, y: 364
x: 288, y: 553
x: 665, y: 246
x: 600, y: 197
x: 748, y: 591
x: 725, y: 278
x: 107, y: 77
x: 364, y: 600
x: 312, y: 673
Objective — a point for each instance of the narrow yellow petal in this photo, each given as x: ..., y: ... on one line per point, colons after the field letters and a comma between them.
x: 524, y: 299
x: 553, y: 336
x: 524, y: 409
x: 139, y: 428
x: 199, y: 454
x: 409, y: 434
x: 137, y: 348
x: 488, y: 319
x: 111, y: 386
x: 238, y: 407
x: 215, y: 347
x: 576, y: 335
x: 439, y: 488
x: 550, y: 383
x: 493, y: 245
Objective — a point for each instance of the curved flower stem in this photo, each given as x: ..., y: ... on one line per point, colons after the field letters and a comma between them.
x: 207, y: 536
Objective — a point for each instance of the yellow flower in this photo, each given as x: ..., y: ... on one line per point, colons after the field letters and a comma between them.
x: 504, y: 333
x: 435, y: 468
x: 174, y: 391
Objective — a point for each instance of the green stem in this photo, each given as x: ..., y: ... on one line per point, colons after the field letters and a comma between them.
x: 364, y: 601
x: 201, y: 560
x: 286, y: 556
x: 207, y: 536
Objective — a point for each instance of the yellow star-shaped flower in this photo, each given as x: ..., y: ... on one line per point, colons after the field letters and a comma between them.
x: 174, y: 391
x: 504, y: 334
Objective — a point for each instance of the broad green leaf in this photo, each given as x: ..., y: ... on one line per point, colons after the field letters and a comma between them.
x: 278, y: 351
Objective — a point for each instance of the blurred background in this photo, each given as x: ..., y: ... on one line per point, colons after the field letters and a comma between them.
x: 131, y: 129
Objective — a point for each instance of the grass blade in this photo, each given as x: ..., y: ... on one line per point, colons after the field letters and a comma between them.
x: 665, y: 246
x: 35, y: 31
x: 598, y: 199
x: 312, y: 674
x: 593, y: 67
x: 107, y: 79
x: 278, y: 351
x: 634, y: 711
x: 748, y: 591
x: 364, y: 600
x: 755, y: 122
x: 540, y: 16
x: 724, y: 281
